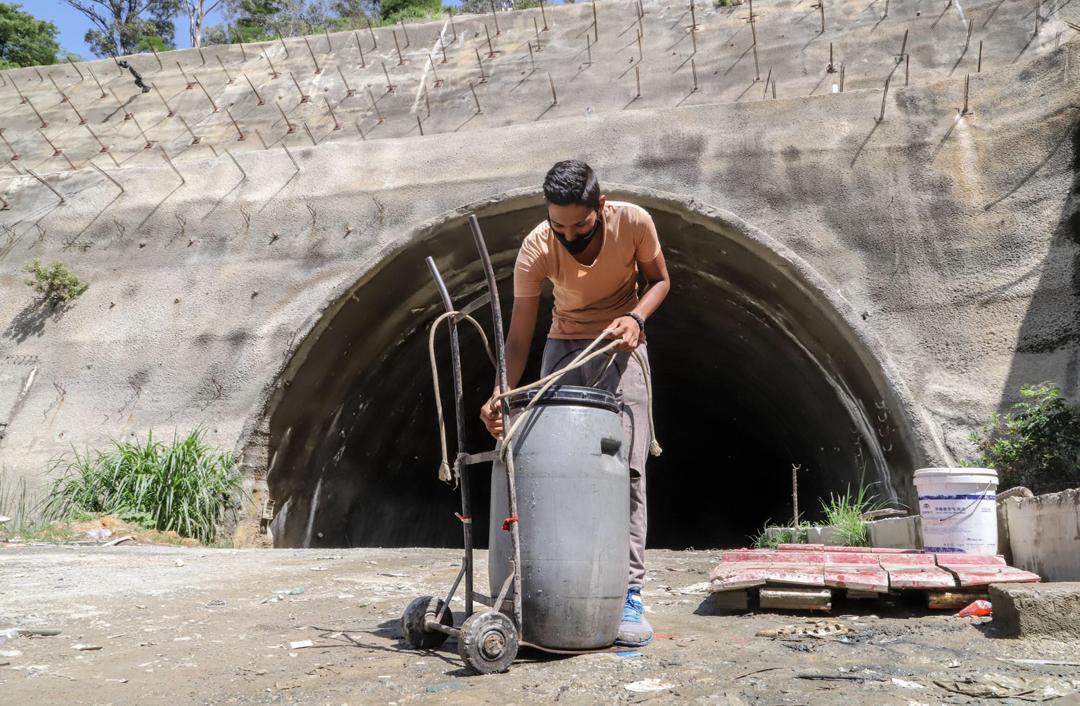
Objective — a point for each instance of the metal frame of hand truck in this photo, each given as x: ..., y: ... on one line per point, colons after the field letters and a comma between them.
x: 487, y: 640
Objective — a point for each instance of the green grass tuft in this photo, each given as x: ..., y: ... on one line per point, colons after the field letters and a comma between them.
x: 186, y: 486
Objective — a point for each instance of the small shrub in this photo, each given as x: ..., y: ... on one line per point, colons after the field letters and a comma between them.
x: 186, y: 486
x: 727, y: 3
x: 56, y: 284
x: 1036, y: 443
x: 844, y: 512
x: 772, y: 536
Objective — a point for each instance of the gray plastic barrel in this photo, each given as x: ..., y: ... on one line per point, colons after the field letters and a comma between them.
x: 573, y: 488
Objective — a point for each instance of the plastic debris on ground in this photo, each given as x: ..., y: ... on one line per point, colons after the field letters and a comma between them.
x: 976, y: 609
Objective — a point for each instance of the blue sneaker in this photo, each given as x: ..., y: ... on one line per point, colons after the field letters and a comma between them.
x: 634, y: 630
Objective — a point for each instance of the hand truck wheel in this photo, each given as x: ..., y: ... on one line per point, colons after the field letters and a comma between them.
x: 412, y: 622
x: 488, y: 642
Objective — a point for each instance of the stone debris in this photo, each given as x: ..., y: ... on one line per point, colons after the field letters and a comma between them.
x: 645, y: 686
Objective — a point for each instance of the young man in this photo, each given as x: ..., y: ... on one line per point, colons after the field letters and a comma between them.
x: 593, y: 251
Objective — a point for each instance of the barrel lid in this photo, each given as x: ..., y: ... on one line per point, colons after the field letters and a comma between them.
x: 568, y: 395
x: 954, y: 471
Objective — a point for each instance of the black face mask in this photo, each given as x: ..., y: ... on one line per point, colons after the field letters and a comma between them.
x: 575, y: 247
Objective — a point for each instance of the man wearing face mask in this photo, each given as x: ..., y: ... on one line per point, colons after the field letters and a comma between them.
x: 593, y: 251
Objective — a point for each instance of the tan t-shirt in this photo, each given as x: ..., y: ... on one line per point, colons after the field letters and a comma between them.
x: 588, y: 297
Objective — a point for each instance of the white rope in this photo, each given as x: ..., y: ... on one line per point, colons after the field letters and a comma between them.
x: 544, y: 383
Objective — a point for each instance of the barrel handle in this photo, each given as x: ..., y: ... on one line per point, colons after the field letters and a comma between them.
x: 610, y: 446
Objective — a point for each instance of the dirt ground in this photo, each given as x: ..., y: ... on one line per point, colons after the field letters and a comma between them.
x: 183, y: 625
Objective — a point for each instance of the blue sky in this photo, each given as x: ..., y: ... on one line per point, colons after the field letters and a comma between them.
x: 73, y: 24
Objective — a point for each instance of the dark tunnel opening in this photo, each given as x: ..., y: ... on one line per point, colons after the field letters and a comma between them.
x: 752, y: 373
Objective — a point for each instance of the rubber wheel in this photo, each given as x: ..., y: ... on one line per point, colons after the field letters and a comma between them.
x: 412, y: 623
x: 488, y: 642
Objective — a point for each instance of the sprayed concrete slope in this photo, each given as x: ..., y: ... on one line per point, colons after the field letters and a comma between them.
x: 852, y: 295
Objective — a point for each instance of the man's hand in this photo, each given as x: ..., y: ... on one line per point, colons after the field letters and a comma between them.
x: 491, y: 415
x: 628, y: 332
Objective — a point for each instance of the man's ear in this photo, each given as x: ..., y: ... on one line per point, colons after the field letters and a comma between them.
x: 603, y: 201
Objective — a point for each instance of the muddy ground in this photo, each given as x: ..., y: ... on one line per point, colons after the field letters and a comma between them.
x: 194, y: 625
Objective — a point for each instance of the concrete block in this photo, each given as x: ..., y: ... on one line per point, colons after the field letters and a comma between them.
x: 828, y: 535
x: 1037, y: 609
x: 1044, y: 534
x: 896, y: 532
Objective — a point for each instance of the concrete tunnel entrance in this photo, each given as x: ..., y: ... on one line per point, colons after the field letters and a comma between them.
x: 753, y: 368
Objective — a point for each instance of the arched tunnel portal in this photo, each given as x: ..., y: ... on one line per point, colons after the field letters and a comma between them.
x: 756, y: 367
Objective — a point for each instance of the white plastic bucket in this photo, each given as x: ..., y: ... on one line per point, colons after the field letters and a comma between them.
x: 959, y: 509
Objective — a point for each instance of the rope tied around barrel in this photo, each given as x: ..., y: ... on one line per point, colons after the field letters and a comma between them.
x: 545, y: 383
x: 509, y: 521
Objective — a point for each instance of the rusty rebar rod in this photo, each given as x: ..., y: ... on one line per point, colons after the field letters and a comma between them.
x: 884, y: 97
x: 82, y: 120
x: 475, y: 99
x: 107, y: 176
x: 967, y: 87
x: 595, y: 27
x: 979, y: 67
x: 371, y: 31
x: 389, y: 83
x: 14, y: 154
x: 283, y: 45
x: 254, y: 90
x: 205, y: 92
x: 903, y: 48
x: 532, y: 58
x: 148, y: 143
x: 374, y: 105
x: 491, y: 49
x: 228, y: 78
x: 290, y: 128
x: 363, y: 63
x: 337, y: 125
x: 420, y: 125
x: 329, y: 44
x: 767, y: 80
x: 693, y: 72
x: 273, y: 72
x: 400, y: 58
x: 495, y: 17
x: 304, y: 98
x: 349, y: 91
x: 438, y: 81
x: 43, y: 123
x: 289, y: 155
x: 554, y: 95
x: 56, y: 150
x: 405, y: 32
x: 170, y: 163
x: 543, y: 14
x: 637, y: 78
x: 94, y: 76
x: 483, y: 76
x: 195, y: 139
x: 102, y: 145
x: 75, y: 66
x: 311, y: 52
x: 244, y: 175
x: 236, y: 125
x: 120, y: 103
x: 159, y: 66
x: 47, y: 184
x: 536, y: 29
x: 453, y: 27
x: 184, y: 74
x: 63, y: 97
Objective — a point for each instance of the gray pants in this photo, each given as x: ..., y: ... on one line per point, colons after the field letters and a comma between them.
x: 623, y: 376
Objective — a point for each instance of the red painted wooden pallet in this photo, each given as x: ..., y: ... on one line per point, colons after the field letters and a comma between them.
x: 860, y: 568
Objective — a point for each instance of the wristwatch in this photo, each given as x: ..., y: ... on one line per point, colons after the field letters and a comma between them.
x: 637, y: 317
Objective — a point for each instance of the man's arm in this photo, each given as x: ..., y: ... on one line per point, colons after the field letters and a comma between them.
x: 659, y: 284
x: 518, y: 343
